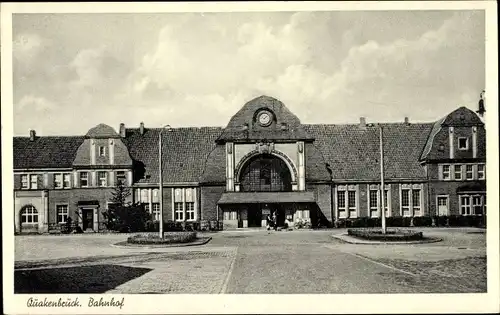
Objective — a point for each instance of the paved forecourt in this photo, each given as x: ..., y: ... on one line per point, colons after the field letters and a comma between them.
x: 255, y: 262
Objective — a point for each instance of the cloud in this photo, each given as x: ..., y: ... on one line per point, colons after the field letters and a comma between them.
x: 26, y: 47
x: 200, y: 69
x: 35, y: 103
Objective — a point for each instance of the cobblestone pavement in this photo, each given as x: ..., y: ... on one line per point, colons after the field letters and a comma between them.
x: 253, y: 262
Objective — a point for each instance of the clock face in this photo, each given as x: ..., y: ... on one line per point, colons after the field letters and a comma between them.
x: 265, y: 119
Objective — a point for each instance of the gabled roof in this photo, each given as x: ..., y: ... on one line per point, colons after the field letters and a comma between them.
x: 461, y: 117
x: 45, y: 152
x: 102, y: 131
x: 184, y: 152
x: 235, y: 130
x: 353, y: 152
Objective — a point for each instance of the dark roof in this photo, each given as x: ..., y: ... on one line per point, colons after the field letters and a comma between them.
x: 462, y: 117
x: 430, y: 140
x: 353, y: 152
x: 246, y: 116
x: 45, y: 152
x: 184, y: 152
x: 102, y: 131
x: 267, y: 197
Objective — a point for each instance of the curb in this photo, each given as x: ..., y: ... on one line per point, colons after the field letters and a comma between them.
x: 351, y: 240
x: 200, y: 241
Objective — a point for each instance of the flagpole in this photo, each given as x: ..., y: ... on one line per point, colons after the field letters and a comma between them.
x: 160, y: 180
x: 382, y: 188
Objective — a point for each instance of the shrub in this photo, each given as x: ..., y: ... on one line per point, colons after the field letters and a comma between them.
x: 422, y: 221
x: 168, y: 238
x: 391, y: 235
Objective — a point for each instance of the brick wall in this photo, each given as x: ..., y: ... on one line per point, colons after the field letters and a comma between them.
x: 210, y: 195
x: 323, y: 199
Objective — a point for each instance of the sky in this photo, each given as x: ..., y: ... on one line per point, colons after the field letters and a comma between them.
x: 74, y: 71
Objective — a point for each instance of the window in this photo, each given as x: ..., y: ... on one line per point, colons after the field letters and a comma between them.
x: 34, y: 181
x: 102, y: 178
x: 374, y: 203
x: 469, y: 173
x: 62, y: 213
x: 179, y: 211
x: 29, y: 215
x: 351, y: 202
x: 230, y: 215
x: 386, y: 202
x: 84, y: 179
x: 190, y: 211
x: 463, y: 144
x: 341, y: 203
x: 58, y: 182
x: 477, y: 205
x: 62, y: 180
x: 480, y: 171
x: 121, y: 177
x: 265, y: 173
x: 416, y: 202
x: 146, y: 207
x: 457, y: 172
x: 405, y: 202
x: 66, y: 180
x: 446, y: 172
x: 465, y: 205
x: 156, y: 211
x: 24, y: 182
x: 102, y: 151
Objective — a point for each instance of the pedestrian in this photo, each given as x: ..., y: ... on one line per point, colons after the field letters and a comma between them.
x: 275, y: 221
x: 268, y: 222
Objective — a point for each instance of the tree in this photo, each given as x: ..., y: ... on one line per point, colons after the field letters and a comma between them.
x: 124, y: 216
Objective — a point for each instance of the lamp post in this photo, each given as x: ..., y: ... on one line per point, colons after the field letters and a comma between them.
x: 160, y: 177
x: 382, y: 190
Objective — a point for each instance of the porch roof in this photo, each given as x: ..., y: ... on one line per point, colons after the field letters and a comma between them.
x: 267, y: 197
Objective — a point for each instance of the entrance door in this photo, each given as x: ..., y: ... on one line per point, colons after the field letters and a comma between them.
x: 254, y: 216
x: 442, y: 203
x: 88, y: 219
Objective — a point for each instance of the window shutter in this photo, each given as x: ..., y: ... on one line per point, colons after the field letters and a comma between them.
x: 76, y: 179
x: 440, y: 172
x: 111, y: 178
x: 50, y: 181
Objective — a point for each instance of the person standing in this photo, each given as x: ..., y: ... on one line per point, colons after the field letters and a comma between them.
x: 268, y: 222
x: 275, y: 221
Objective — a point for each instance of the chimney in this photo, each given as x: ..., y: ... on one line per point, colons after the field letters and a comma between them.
x: 32, y: 135
x: 362, y: 122
x: 141, y: 128
x: 407, y: 121
x: 481, y: 108
x: 122, y: 130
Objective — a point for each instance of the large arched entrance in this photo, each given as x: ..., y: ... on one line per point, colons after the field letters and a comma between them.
x: 265, y: 173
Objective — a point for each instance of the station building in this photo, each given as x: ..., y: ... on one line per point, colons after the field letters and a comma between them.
x: 264, y: 161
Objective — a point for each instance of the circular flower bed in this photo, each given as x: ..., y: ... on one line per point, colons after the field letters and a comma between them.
x: 168, y: 238
x: 392, y: 235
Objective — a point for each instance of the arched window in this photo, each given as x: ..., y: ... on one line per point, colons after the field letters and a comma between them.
x: 266, y: 173
x: 29, y: 214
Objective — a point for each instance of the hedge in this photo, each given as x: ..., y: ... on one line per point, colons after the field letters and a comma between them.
x: 391, y: 235
x: 171, y: 226
x: 168, y: 238
x: 454, y: 220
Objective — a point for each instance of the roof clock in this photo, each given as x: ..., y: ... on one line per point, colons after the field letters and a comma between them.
x: 264, y: 118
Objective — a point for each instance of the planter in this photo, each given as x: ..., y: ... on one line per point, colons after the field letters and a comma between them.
x: 392, y: 235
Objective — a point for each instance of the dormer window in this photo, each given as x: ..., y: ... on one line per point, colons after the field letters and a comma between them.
x: 463, y: 143
x: 102, y: 151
